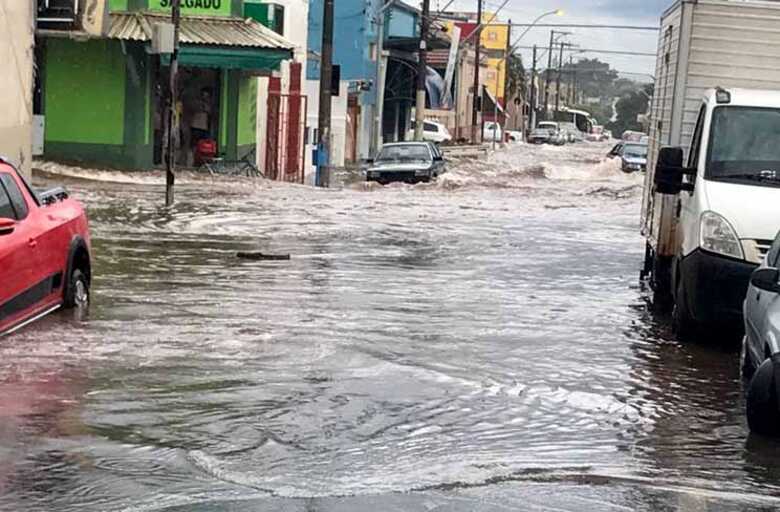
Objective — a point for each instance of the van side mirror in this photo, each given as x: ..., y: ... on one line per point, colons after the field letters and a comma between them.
x: 766, y: 279
x: 669, y: 172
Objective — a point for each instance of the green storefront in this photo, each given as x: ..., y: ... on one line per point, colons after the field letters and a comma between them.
x: 103, y: 100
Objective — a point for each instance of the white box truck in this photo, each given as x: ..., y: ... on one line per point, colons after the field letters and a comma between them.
x: 711, y: 203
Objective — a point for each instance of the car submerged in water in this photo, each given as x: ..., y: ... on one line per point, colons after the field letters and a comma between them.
x: 633, y: 157
x: 44, y: 251
x: 407, y: 162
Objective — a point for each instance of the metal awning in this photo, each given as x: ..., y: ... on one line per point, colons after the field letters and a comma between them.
x: 222, y: 42
x: 493, y: 103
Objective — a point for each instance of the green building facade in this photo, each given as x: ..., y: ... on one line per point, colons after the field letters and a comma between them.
x: 103, y: 99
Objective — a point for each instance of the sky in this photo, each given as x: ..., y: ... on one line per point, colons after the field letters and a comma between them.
x: 612, y: 12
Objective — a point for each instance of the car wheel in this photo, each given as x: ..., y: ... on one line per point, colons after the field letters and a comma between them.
x: 683, y: 323
x: 763, y: 414
x: 77, y: 292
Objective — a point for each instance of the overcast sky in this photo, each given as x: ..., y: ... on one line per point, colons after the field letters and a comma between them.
x: 612, y: 12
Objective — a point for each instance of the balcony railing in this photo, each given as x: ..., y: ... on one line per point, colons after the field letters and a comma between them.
x: 55, y: 13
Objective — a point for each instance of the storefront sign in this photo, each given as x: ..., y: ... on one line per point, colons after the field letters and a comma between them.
x: 197, y: 7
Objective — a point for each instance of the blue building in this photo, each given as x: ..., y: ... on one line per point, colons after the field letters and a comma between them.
x: 355, y: 52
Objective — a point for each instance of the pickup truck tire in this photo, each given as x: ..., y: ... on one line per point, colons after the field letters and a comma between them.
x: 683, y: 323
x: 77, y: 291
x: 762, y: 409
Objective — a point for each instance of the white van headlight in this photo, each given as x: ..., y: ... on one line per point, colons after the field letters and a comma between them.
x: 719, y: 237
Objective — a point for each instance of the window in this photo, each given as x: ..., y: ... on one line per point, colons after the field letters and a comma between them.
x: 6, y: 210
x: 693, y: 156
x: 430, y: 127
x: 743, y: 145
x: 17, y: 200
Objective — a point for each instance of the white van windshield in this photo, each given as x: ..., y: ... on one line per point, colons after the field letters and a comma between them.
x: 745, y: 145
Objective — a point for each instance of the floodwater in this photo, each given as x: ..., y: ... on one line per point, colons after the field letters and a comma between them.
x: 476, y: 344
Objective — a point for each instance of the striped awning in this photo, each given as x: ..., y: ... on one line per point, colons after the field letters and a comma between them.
x: 199, y: 30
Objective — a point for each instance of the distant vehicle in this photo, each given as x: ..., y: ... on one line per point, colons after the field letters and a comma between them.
x: 632, y: 136
x: 408, y: 162
x: 597, y: 134
x: 617, y: 150
x: 514, y: 136
x: 581, y: 119
x: 633, y: 158
x: 760, y: 349
x: 433, y: 131
x: 44, y: 252
x: 539, y: 136
x: 559, y: 138
x: 608, y: 135
x: 492, y: 131
x: 552, y: 126
x: 572, y: 132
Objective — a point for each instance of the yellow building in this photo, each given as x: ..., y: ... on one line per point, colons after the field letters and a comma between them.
x: 495, y: 42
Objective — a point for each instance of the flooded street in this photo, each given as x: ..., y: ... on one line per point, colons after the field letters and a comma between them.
x: 480, y: 343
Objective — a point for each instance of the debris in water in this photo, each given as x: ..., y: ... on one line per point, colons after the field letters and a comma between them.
x: 259, y: 256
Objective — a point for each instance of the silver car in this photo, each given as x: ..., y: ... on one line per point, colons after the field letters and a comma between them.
x: 761, y: 346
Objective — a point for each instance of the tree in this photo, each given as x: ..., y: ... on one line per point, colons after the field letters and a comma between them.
x: 515, y: 76
x: 595, y: 79
x: 629, y: 107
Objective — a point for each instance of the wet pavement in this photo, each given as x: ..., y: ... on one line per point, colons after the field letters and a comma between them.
x: 480, y: 343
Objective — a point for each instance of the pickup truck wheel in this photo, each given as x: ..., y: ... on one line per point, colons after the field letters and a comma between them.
x: 762, y: 410
x: 77, y: 293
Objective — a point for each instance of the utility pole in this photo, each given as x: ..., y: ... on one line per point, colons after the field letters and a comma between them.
x: 572, y: 78
x: 326, y: 76
x: 173, y: 98
x: 547, y: 73
x: 379, y: 81
x: 532, y: 116
x: 558, y: 80
x: 475, y: 104
x: 422, y: 71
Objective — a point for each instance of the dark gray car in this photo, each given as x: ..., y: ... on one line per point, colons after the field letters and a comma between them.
x: 408, y: 162
x: 761, y: 345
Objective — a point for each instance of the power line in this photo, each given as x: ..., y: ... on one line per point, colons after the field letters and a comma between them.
x: 609, y: 52
x: 570, y: 25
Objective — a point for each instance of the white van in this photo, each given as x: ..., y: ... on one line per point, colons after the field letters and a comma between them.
x: 720, y: 208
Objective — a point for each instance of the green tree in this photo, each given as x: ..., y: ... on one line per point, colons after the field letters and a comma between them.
x: 516, y: 84
x: 629, y: 107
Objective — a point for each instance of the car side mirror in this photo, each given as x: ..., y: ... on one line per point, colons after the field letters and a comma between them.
x: 669, y: 172
x: 7, y: 226
x: 369, y: 160
x: 767, y: 279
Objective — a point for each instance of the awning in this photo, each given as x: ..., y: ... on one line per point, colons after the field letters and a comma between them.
x: 488, y: 107
x: 229, y: 58
x: 219, y: 42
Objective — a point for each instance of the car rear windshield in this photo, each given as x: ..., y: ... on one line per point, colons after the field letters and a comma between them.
x: 635, y: 151
x: 744, y: 144
x: 405, y: 153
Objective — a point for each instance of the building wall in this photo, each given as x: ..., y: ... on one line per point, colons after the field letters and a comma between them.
x: 353, y: 32
x: 338, y: 125
x: 16, y: 83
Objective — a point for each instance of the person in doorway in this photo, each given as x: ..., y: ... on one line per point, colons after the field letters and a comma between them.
x: 200, y: 123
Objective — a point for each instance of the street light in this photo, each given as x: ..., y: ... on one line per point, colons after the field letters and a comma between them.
x: 556, y: 12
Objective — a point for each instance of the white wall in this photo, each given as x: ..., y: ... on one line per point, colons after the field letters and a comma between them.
x: 338, y: 125
x: 16, y: 81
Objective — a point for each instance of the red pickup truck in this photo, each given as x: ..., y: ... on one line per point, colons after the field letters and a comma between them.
x: 44, y: 251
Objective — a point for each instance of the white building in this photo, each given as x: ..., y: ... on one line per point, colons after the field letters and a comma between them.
x: 16, y: 81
